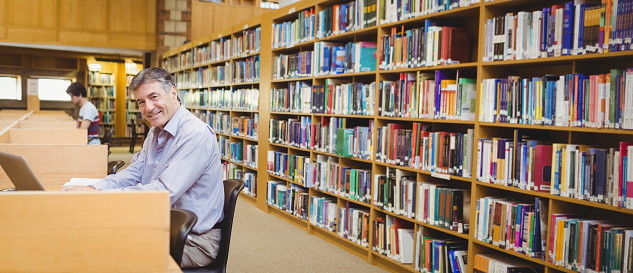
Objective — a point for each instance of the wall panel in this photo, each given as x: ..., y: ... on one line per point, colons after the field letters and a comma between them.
x: 132, y: 16
x: 32, y: 13
x: 83, y: 15
x: 222, y: 17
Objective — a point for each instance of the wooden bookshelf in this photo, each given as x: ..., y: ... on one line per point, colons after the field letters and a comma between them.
x: 473, y: 19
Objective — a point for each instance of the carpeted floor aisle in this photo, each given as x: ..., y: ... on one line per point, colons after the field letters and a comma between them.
x: 263, y: 242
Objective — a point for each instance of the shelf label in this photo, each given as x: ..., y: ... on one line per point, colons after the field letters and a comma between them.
x: 291, y: 10
x: 246, y: 26
x: 441, y: 176
x: 31, y: 89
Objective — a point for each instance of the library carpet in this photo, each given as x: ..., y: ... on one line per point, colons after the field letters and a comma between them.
x: 263, y: 242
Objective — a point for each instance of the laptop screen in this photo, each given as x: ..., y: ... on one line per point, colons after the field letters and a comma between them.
x: 19, y: 172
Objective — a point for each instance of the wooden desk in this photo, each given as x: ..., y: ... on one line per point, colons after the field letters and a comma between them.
x: 85, y: 232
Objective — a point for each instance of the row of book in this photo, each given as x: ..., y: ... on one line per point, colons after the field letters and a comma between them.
x: 342, y: 18
x: 394, y: 238
x: 440, y: 254
x: 231, y: 171
x: 324, y: 212
x: 292, y: 132
x: 430, y: 45
x: 293, y: 199
x: 106, y: 117
x: 236, y: 99
x: 353, y: 224
x: 215, y: 51
x: 246, y: 70
x: 499, y: 263
x: 438, y: 152
x: 103, y: 105
x: 439, y: 95
x: 298, y: 65
x: 238, y: 152
x: 579, y: 100
x: 98, y: 78
x: 299, y: 30
x: 392, y: 11
x: 204, y: 77
x: 513, y: 225
x: 334, y: 97
x: 250, y: 183
x: 101, y: 92
x: 589, y: 245
x: 578, y: 27
x: 245, y: 126
x: 248, y: 43
x: 577, y: 171
x: 333, y: 177
x: 295, y: 98
x: 331, y: 58
x: 398, y: 192
x: 219, y: 121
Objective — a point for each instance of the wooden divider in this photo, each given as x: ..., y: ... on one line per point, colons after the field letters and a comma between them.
x: 44, y: 124
x: 47, y: 136
x: 85, y: 232
x: 55, y: 164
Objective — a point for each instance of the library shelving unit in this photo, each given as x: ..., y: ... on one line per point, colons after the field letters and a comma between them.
x: 493, y: 119
x: 102, y: 93
x: 218, y: 80
x: 132, y: 111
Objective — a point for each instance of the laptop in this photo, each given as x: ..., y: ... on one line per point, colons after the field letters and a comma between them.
x: 19, y: 172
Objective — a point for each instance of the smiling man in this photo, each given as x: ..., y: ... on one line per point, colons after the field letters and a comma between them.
x: 180, y: 155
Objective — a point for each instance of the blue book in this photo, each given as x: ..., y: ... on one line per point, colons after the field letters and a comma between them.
x: 568, y: 22
x: 366, y: 56
x: 545, y: 30
x: 338, y: 60
x: 325, y: 65
x: 581, y: 22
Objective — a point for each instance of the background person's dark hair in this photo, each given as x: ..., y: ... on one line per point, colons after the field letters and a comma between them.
x: 77, y: 89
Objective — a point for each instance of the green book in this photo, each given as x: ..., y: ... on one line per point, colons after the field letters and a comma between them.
x: 344, y: 141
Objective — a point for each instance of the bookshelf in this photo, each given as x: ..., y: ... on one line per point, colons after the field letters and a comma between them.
x: 466, y: 137
x: 101, y: 89
x: 132, y: 111
x: 218, y: 80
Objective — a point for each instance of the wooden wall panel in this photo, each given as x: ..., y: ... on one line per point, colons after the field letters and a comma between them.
x: 93, y: 23
x: 138, y: 17
x: 207, y: 18
x: 80, y: 15
x: 32, y: 13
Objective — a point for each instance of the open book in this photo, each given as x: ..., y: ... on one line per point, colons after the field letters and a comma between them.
x: 82, y: 181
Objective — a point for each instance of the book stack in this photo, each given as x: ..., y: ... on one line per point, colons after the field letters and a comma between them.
x: 298, y: 65
x: 353, y: 224
x: 392, y: 11
x: 332, y: 58
x: 323, y: 212
x: 250, y: 183
x: 246, y: 70
x: 333, y: 177
x: 220, y: 49
x: 246, y: 99
x: 337, y: 97
x: 247, y: 43
x: 342, y: 18
x: 296, y: 98
x: 220, y: 98
x: 440, y: 254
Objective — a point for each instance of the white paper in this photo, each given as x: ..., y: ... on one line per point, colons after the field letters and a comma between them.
x: 82, y: 181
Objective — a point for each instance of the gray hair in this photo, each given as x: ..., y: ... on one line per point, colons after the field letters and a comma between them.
x: 149, y: 75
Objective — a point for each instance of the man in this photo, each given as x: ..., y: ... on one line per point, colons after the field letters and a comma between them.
x: 88, y: 114
x: 180, y: 155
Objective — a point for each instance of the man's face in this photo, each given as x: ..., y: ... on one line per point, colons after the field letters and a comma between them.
x: 73, y: 99
x: 155, y: 104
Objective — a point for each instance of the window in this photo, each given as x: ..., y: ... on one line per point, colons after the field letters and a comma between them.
x: 53, y: 89
x: 10, y: 88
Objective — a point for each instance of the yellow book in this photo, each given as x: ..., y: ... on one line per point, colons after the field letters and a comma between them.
x: 560, y: 227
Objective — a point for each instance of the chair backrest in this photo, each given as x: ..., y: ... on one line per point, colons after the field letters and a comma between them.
x: 114, y: 166
x: 232, y: 188
x: 107, y: 137
x: 133, y: 127
x: 181, y: 223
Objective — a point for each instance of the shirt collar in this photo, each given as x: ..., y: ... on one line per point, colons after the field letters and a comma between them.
x: 172, y: 125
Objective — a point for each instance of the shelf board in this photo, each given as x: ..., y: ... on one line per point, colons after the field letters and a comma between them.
x: 342, y: 116
x: 289, y: 217
x: 561, y: 59
x: 244, y: 111
x: 244, y: 56
x: 249, y: 198
x: 559, y: 128
x: 101, y: 84
x: 408, y: 267
x: 471, y: 65
x: 244, y: 83
x: 341, y: 197
x: 434, y: 174
x: 520, y: 255
x: 244, y: 138
x: 345, y: 75
x: 559, y: 198
x: 293, y: 79
x: 294, y: 47
x: 350, y: 158
x: 453, y: 121
x: 349, y: 34
x: 464, y: 236
x: 469, y: 11
x: 342, y: 239
x: 289, y: 113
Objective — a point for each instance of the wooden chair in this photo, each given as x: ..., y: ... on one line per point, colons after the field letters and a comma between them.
x: 232, y: 188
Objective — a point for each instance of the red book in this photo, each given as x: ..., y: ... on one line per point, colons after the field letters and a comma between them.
x: 458, y: 46
x: 543, y: 168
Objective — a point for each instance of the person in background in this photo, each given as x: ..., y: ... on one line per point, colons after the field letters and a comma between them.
x: 180, y: 155
x: 88, y: 114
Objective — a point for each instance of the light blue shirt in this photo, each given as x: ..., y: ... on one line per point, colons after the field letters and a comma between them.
x: 183, y: 159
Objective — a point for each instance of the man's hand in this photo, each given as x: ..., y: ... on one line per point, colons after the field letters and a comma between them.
x: 79, y: 188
